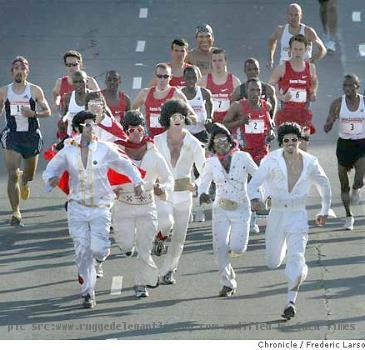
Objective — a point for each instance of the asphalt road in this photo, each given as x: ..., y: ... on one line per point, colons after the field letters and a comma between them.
x: 38, y: 290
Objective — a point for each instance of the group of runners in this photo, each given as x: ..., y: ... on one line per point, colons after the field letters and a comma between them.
x: 202, y: 132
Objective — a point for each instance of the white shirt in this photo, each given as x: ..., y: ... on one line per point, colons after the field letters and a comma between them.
x: 274, y: 172
x: 156, y: 168
x: 231, y: 185
x: 191, y: 152
x: 90, y: 186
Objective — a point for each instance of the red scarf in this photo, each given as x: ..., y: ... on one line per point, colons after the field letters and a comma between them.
x: 129, y: 144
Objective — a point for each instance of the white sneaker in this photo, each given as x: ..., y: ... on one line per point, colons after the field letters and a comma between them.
x: 199, y: 215
x: 355, y: 196
x: 191, y: 218
x: 255, y: 229
x: 349, y: 223
x: 331, y: 45
x: 141, y: 291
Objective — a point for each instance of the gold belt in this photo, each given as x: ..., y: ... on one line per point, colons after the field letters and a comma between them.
x: 183, y: 184
x: 227, y: 204
x: 91, y: 205
x: 130, y: 198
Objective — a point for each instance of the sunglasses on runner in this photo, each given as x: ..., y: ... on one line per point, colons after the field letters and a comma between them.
x: 137, y: 129
x: 69, y: 65
x: 162, y: 76
x: 292, y: 140
x: 220, y: 139
x: 177, y: 116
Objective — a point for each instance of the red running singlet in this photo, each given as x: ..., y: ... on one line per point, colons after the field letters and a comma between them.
x: 117, y: 110
x: 153, y: 109
x: 221, y: 96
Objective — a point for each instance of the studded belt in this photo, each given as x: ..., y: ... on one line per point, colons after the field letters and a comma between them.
x: 130, y: 198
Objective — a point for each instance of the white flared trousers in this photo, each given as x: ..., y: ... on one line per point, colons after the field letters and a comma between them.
x: 230, y: 234
x: 165, y: 214
x: 136, y: 226
x: 287, y: 235
x: 89, y: 229
x: 181, y: 214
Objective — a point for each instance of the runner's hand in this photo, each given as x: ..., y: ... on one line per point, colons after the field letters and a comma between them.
x: 257, y: 205
x: 321, y: 220
x: 27, y: 112
x: 158, y: 190
x: 138, y: 190
x: 204, y: 198
x: 53, y: 181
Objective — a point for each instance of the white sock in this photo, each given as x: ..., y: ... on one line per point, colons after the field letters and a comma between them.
x: 253, y: 220
x: 292, y: 296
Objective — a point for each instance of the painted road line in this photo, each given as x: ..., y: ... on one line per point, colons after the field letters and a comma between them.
x: 362, y: 49
x: 137, y: 83
x: 140, y: 45
x: 356, y: 16
x: 143, y: 12
x: 117, y: 283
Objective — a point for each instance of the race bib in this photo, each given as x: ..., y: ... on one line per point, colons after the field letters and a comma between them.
x: 221, y: 105
x: 154, y: 123
x: 352, y: 126
x: 298, y: 95
x: 16, y: 108
x: 255, y: 126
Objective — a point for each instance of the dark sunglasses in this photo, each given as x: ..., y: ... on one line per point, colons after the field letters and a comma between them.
x: 164, y: 76
x: 69, y: 65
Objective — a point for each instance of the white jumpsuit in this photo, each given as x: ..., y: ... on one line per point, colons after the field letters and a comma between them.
x: 90, y: 200
x: 287, y: 227
x: 180, y: 201
x: 230, y: 227
x: 135, y: 218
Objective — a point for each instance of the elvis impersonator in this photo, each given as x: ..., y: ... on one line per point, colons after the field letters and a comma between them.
x: 135, y: 217
x: 289, y: 173
x: 87, y: 161
x: 228, y: 168
x: 180, y: 150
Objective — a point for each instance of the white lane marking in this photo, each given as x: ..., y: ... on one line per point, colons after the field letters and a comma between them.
x: 138, y: 64
x: 140, y: 45
x: 117, y: 283
x: 143, y: 12
x: 137, y: 83
x: 362, y: 49
x: 356, y: 16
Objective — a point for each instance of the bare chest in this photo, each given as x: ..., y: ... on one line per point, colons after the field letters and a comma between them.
x: 295, y: 169
x: 175, y: 147
x: 85, y: 156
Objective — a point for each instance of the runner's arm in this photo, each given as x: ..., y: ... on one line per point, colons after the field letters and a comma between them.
x: 333, y: 114
x: 315, y: 39
x: 272, y: 43
x: 140, y: 99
